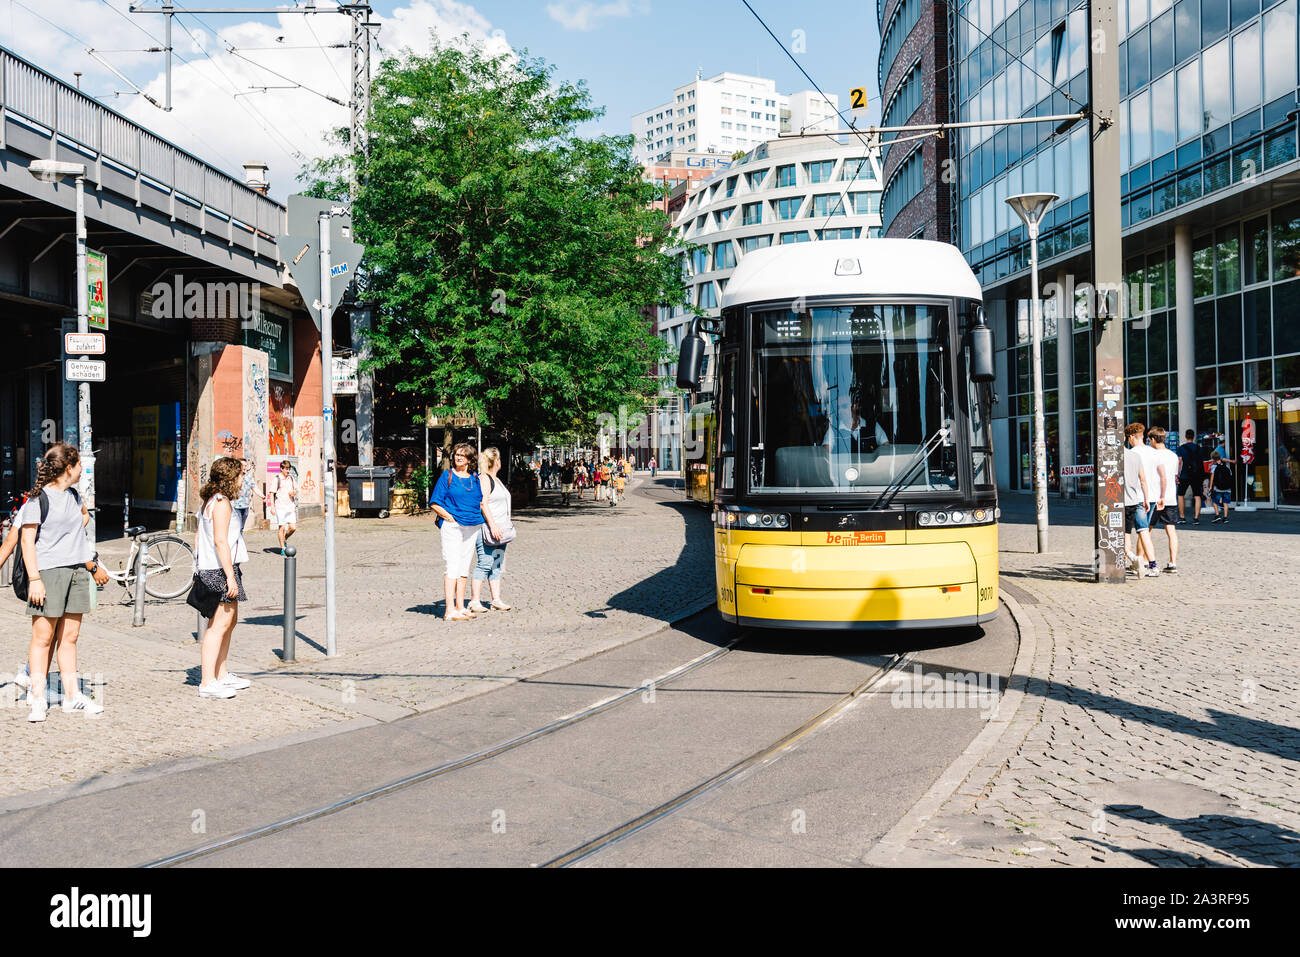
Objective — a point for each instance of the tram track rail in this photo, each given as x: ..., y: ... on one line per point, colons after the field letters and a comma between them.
x: 429, y: 774
x: 754, y: 760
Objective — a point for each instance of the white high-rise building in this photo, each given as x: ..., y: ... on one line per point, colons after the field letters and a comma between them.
x: 727, y: 113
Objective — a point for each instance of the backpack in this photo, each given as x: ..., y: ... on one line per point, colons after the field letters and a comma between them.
x: 1222, y: 480
x: 20, y: 579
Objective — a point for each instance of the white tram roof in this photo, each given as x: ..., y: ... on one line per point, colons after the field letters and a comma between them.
x: 884, y: 267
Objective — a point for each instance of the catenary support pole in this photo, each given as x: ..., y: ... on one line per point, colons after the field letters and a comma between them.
x: 87, y: 483
x: 1107, y: 273
x: 327, y: 414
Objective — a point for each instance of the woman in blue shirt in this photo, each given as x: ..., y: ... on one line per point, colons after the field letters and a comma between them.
x: 457, y: 500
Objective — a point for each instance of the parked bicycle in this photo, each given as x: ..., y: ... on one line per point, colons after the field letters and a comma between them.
x: 168, y: 565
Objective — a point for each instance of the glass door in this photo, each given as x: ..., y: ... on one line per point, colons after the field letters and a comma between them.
x: 1286, y: 411
x: 1250, y: 444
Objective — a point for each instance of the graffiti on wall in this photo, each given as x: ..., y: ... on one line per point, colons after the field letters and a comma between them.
x: 280, y: 431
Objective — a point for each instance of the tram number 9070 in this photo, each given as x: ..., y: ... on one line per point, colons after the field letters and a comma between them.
x: 987, y: 594
x: 726, y: 596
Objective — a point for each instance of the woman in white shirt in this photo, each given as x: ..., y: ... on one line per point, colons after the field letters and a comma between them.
x: 221, y: 550
x: 498, y: 527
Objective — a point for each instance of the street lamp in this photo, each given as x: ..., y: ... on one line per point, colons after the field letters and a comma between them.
x: 56, y: 171
x: 1031, y: 207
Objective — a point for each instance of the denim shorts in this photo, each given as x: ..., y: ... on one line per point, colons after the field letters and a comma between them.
x: 491, y: 561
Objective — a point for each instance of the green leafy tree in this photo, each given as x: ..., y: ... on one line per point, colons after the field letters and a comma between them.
x: 510, y: 260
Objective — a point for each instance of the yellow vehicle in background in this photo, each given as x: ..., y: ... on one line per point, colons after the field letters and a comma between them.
x: 851, y: 459
x: 698, y: 451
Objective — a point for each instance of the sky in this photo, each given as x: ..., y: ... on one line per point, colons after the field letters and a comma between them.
x: 267, y: 98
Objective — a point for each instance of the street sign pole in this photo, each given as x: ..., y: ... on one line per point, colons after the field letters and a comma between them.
x: 327, y: 412
x: 1108, y: 417
x: 86, y: 487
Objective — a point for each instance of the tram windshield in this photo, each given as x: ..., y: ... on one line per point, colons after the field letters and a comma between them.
x: 852, y: 399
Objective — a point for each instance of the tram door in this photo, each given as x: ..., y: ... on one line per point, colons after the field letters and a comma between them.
x: 1250, y: 443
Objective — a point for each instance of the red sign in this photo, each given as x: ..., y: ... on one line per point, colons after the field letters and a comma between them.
x: 1248, y: 440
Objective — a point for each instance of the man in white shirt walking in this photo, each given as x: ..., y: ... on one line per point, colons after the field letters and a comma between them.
x: 1166, y: 514
x: 1139, y: 493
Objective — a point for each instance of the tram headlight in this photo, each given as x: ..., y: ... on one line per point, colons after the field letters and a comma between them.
x: 941, y: 518
x: 925, y: 518
x: 751, y: 519
x: 782, y: 521
x: 958, y: 517
x: 767, y: 520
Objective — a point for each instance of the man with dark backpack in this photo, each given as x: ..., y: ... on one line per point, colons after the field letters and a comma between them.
x: 1220, y: 487
x: 1191, y: 472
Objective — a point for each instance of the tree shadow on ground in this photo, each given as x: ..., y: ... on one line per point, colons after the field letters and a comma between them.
x: 1257, y: 842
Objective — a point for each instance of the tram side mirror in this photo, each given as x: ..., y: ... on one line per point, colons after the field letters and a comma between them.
x: 981, y: 351
x: 690, y: 362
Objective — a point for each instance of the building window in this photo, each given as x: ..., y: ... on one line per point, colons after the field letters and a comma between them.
x: 799, y: 237
x: 788, y: 208
x: 785, y: 176
x: 830, y: 204
x: 864, y: 204
x: 751, y: 214
x: 819, y: 172
x: 846, y: 232
x: 750, y: 243
x: 755, y: 180
x: 854, y: 169
x: 708, y: 299
x: 724, y: 255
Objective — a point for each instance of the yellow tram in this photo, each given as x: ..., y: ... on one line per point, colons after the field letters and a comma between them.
x: 850, y: 457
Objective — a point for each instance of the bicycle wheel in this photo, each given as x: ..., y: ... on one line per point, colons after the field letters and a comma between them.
x: 168, y: 567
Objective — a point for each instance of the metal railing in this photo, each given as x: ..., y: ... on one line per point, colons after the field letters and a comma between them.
x: 70, y: 118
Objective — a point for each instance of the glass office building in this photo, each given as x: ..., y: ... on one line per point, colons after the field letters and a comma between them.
x: 1211, y: 221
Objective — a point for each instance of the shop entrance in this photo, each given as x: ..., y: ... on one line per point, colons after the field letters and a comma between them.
x: 1250, y: 444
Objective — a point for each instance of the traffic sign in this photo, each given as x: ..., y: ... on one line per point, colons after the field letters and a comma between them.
x: 300, y: 250
x: 86, y: 370
x: 84, y: 343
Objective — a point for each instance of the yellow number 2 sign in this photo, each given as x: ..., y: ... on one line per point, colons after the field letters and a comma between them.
x: 858, y: 98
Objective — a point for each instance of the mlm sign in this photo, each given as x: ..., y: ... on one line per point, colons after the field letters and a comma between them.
x: 97, y: 280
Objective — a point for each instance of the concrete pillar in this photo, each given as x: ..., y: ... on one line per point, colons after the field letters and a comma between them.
x: 1185, y: 325
x: 1065, y: 379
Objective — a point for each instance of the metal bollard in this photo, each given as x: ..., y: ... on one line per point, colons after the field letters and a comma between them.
x: 290, y: 601
x: 138, y: 621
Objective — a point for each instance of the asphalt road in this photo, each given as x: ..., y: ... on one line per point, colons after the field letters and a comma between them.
x: 824, y: 802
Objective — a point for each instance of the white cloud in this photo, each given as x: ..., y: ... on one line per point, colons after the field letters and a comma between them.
x: 221, y: 112
x: 587, y: 16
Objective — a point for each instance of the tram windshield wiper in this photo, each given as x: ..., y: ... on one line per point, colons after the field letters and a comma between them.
x: 919, y: 456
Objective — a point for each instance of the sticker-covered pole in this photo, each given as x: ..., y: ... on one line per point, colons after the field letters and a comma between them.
x: 327, y: 414
x: 1107, y: 274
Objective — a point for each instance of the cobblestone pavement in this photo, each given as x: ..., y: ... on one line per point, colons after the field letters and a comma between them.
x: 581, y: 579
x: 1159, y: 719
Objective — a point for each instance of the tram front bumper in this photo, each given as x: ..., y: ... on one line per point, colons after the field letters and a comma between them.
x: 869, y: 586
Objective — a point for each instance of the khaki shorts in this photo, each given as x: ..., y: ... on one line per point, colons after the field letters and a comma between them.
x: 67, y: 592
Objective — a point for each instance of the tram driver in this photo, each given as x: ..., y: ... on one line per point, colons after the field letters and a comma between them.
x: 848, y: 431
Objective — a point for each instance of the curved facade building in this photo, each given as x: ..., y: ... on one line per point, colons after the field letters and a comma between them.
x: 914, y: 77
x: 798, y: 190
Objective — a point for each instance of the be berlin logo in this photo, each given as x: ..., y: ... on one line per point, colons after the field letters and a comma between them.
x: 78, y: 910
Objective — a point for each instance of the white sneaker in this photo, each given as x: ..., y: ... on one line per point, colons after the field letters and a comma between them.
x: 39, y: 707
x: 23, y: 679
x: 1149, y: 572
x: 215, y: 689
x: 232, y: 680
x: 477, y: 607
x: 499, y: 605
x: 80, y: 703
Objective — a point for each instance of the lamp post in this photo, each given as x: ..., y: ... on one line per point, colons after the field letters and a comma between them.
x: 1031, y: 207
x: 55, y: 171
